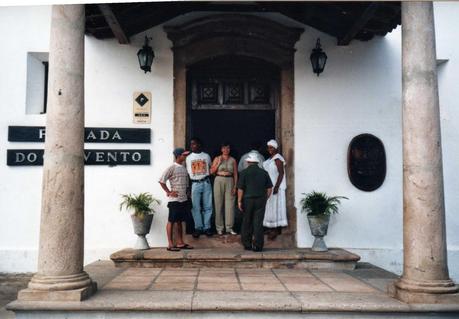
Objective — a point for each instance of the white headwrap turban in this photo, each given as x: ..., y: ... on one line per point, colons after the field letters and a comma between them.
x: 273, y: 143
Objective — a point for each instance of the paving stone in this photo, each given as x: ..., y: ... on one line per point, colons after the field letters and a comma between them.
x: 217, y: 280
x: 332, y: 301
x: 254, y: 272
x: 383, y: 285
x: 184, y: 286
x: 127, y: 254
x: 221, y: 286
x: 244, y: 301
x: 141, y: 272
x: 171, y: 279
x: 177, y: 272
x: 263, y: 286
x: 349, y: 285
x: 258, y: 279
x: 213, y: 254
x: 281, y: 254
x: 162, y: 254
x: 308, y: 287
x: 295, y: 273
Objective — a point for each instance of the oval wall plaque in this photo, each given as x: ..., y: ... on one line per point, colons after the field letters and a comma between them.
x: 366, y: 162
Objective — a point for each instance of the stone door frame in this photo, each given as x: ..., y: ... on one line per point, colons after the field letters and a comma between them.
x: 242, y: 35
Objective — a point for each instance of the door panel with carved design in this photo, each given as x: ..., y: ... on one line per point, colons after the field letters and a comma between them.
x: 232, y: 99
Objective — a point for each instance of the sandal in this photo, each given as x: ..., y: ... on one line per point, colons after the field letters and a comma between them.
x: 173, y: 249
x: 185, y: 246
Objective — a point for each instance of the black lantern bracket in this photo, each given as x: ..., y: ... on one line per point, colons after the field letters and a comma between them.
x: 146, y: 56
x: 318, y: 58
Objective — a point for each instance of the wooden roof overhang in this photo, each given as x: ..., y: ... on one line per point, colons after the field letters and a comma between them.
x: 345, y: 21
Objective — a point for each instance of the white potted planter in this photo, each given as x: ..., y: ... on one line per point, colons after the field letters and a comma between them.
x: 142, y: 218
x: 319, y: 207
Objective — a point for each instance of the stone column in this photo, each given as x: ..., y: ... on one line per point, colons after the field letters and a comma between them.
x: 60, y: 260
x: 425, y: 270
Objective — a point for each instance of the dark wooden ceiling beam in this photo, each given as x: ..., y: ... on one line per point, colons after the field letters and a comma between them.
x: 114, y: 24
x: 358, y: 25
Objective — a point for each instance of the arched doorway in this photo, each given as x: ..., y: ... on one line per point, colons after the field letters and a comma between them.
x: 252, y: 41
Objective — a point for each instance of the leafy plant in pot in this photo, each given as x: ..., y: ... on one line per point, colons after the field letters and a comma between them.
x: 142, y: 205
x: 319, y: 207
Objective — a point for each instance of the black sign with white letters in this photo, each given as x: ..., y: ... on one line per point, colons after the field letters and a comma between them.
x: 91, y: 134
x: 30, y: 157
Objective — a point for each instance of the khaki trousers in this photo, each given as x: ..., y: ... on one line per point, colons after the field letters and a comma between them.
x: 224, y: 202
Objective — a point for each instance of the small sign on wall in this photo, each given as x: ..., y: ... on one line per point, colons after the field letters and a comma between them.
x: 142, y: 108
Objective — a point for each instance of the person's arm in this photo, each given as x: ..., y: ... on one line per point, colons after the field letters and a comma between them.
x: 163, y: 180
x: 215, y: 164
x: 240, y: 166
x: 168, y: 192
x: 240, y: 194
x: 235, y: 176
x: 280, y: 169
x: 268, y: 192
x: 268, y: 185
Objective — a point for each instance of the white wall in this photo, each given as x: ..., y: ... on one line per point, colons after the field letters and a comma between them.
x: 19, y: 187
x: 359, y: 92
x: 112, y: 75
x: 447, y: 35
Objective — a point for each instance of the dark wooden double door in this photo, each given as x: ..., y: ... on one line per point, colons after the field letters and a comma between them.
x: 232, y: 99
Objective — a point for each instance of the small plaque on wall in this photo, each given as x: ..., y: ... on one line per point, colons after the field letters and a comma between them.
x: 142, y: 107
x: 366, y: 162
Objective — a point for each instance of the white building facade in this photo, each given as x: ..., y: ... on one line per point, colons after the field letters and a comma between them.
x: 360, y: 91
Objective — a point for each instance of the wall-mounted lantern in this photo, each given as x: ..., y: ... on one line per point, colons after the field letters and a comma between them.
x: 146, y: 56
x: 318, y: 58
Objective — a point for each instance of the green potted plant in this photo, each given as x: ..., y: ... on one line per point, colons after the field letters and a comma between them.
x: 319, y: 207
x: 143, y: 207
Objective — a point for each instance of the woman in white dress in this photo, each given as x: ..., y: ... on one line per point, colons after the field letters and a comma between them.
x: 276, y: 207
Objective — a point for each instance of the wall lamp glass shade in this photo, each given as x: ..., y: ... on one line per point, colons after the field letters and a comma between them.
x: 318, y: 59
x: 145, y: 56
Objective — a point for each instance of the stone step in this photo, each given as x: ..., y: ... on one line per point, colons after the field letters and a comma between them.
x: 285, y: 240
x: 334, y: 258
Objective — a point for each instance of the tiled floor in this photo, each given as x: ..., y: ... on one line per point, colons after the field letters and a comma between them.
x: 234, y: 279
x: 141, y: 291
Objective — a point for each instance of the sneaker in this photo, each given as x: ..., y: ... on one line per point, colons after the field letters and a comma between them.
x: 219, y: 232
x: 247, y: 248
x: 232, y: 232
x: 257, y: 249
x: 196, y: 234
x: 208, y: 232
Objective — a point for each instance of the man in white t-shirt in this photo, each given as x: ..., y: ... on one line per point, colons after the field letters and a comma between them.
x: 198, y: 167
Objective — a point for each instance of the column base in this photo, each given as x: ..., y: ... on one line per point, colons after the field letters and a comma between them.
x: 428, y: 292
x: 59, y: 288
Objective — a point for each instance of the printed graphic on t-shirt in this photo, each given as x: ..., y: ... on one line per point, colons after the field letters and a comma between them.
x: 199, y: 167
